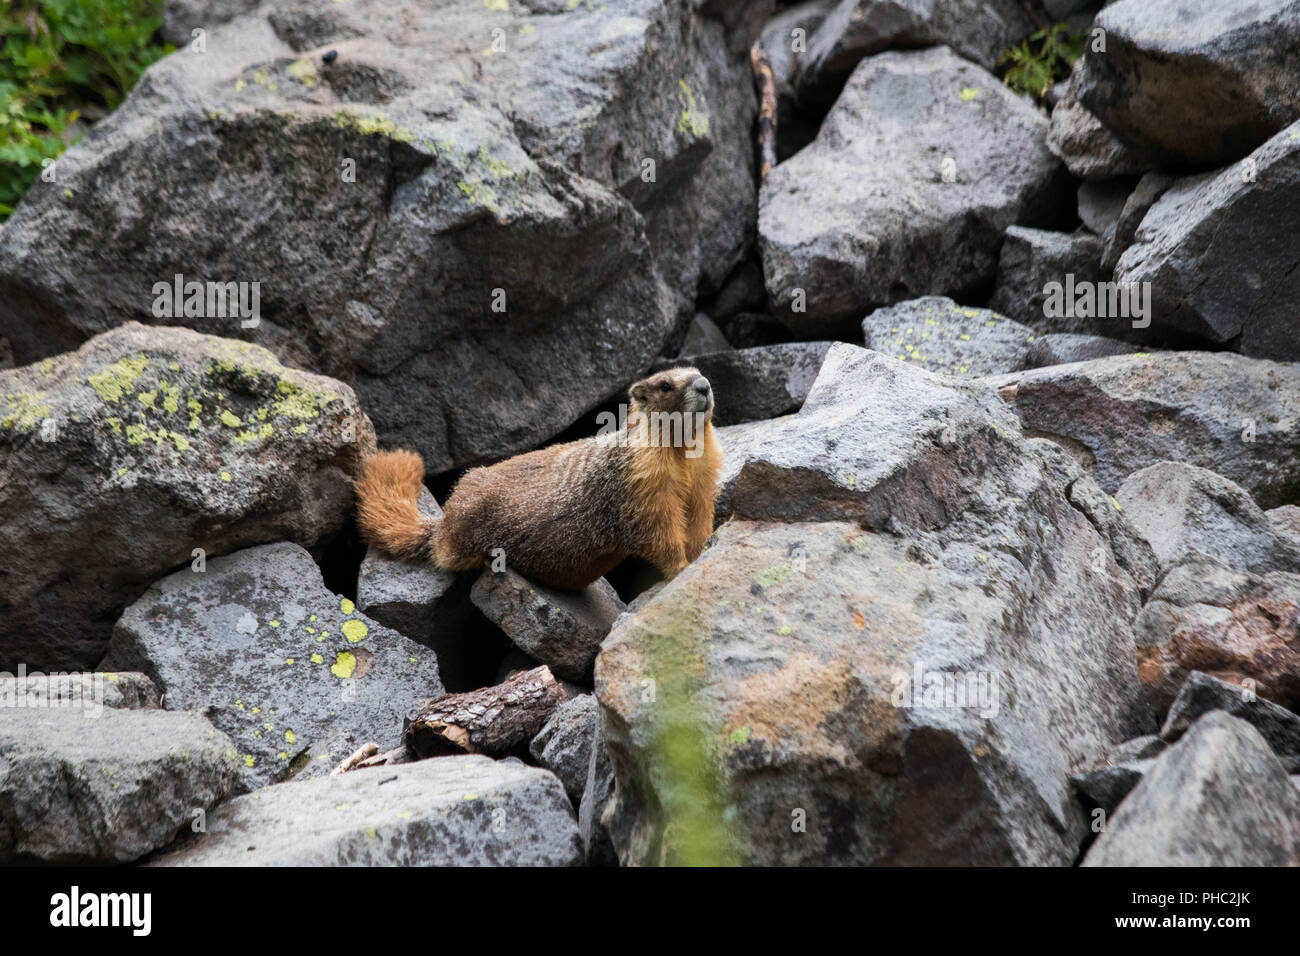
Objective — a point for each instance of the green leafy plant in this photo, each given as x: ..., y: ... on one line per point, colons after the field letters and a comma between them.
x: 1042, y: 60
x: 63, y: 62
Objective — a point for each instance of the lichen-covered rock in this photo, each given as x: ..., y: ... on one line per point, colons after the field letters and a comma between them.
x: 939, y: 335
x: 79, y: 786
x: 1233, y: 415
x: 1195, y: 83
x: 414, y: 207
x: 562, y: 629
x: 1219, y: 252
x: 143, y: 451
x: 761, y: 382
x: 921, y: 165
x: 450, y: 811
x: 901, y: 525
x: 1216, y: 798
x: 292, y: 672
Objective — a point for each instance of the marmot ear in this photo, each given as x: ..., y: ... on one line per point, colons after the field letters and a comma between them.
x: 637, y: 392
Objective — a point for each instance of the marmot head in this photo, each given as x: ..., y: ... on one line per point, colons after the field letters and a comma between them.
x: 682, y: 390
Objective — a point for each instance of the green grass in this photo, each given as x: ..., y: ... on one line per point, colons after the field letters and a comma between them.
x: 60, y: 61
x: 1041, y: 61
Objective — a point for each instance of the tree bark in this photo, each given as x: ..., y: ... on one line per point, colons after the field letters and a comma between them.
x: 493, y: 720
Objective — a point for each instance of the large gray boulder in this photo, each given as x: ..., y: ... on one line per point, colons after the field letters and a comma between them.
x: 941, y: 336
x: 1219, y: 797
x: 979, y: 30
x: 1219, y: 252
x: 80, y: 786
x: 562, y: 629
x: 1228, y: 622
x: 126, y: 690
x: 1081, y: 141
x: 765, y: 381
x: 143, y: 451
x: 449, y: 811
x: 1032, y: 259
x: 1180, y: 508
x: 1233, y: 415
x: 760, y: 707
x: 563, y: 745
x: 1195, y: 83
x: 413, y: 208
x: 1202, y: 693
x: 921, y: 165
x: 292, y: 672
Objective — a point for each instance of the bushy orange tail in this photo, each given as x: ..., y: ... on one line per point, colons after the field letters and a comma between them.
x: 387, y: 492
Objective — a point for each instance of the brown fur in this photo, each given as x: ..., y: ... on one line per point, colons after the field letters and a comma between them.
x: 567, y: 514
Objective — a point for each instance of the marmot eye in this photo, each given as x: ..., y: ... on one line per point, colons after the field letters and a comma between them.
x: 665, y: 387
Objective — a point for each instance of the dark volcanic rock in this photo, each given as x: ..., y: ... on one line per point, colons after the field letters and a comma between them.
x: 1220, y: 253
x: 1195, y: 83
x: 1216, y: 798
x: 451, y: 811
x: 414, y: 209
x: 289, y: 670
x: 1233, y: 415
x: 561, y: 629
x: 922, y: 164
x: 141, y: 447
x: 78, y: 786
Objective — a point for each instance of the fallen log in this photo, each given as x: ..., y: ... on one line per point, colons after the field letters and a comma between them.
x: 492, y: 720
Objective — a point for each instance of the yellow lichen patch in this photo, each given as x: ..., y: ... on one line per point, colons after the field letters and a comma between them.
x: 225, y: 476
x: 23, y: 410
x: 344, y: 665
x: 303, y: 70
x: 501, y: 6
x: 248, y: 760
x: 297, y: 402
x: 112, y: 382
x: 968, y: 93
x: 147, y: 398
x: 354, y: 631
x: 230, y: 419
x: 693, y: 120
x: 346, y: 606
x: 317, y: 659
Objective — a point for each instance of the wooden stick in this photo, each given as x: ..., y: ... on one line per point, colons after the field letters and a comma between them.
x: 493, y: 720
x: 766, y: 84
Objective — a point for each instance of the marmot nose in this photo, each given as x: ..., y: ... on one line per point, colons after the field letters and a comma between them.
x: 701, y: 385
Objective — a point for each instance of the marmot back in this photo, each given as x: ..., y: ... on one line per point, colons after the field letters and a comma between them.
x: 565, y: 515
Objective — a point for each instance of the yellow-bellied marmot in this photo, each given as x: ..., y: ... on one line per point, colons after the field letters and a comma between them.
x: 567, y: 514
